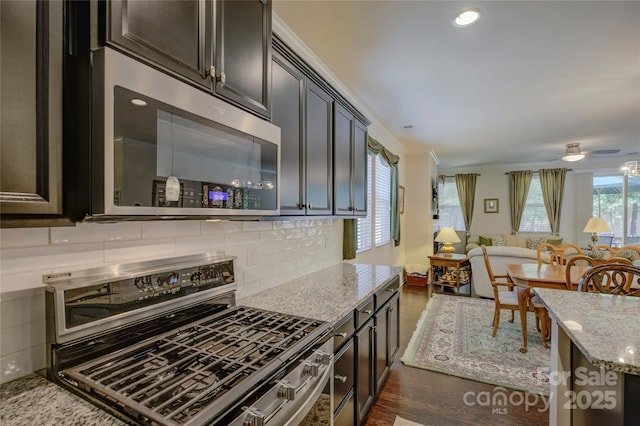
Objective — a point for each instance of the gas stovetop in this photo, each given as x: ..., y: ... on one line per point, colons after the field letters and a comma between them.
x: 162, y: 342
x: 200, y: 368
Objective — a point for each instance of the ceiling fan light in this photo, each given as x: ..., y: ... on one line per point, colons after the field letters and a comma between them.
x: 631, y: 168
x: 573, y: 153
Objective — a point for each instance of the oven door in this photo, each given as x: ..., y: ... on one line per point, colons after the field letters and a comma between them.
x: 302, y: 394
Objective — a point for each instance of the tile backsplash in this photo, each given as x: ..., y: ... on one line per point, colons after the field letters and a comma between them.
x: 268, y: 254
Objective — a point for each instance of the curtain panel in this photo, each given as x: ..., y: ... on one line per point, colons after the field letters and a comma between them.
x: 519, y: 183
x: 552, y: 184
x: 466, y: 186
x: 350, y: 225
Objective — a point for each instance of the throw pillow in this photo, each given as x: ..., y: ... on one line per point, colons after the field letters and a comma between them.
x: 554, y: 241
x: 533, y: 243
x: 485, y: 241
x: 498, y: 241
x: 632, y: 255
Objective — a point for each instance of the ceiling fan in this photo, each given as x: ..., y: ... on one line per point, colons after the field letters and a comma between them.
x: 573, y: 152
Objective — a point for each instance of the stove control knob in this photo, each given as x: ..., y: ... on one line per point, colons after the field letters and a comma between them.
x: 253, y: 417
x: 323, y: 358
x: 287, y: 391
x: 311, y: 369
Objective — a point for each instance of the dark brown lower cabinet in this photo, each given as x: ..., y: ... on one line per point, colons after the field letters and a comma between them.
x: 365, y: 368
x: 363, y: 358
x: 345, y: 415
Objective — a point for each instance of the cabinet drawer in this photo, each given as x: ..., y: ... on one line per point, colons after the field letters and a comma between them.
x: 343, y: 374
x: 387, y: 292
x: 343, y: 332
x: 345, y: 415
x: 364, y: 312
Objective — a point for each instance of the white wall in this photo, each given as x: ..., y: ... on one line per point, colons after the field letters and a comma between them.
x: 493, y: 183
x: 268, y: 254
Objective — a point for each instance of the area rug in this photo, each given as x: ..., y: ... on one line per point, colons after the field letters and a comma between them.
x: 404, y: 422
x: 453, y: 336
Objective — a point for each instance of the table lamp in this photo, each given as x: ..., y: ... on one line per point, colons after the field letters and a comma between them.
x: 595, y: 225
x: 447, y: 236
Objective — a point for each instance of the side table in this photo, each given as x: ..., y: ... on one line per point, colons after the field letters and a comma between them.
x: 458, y: 262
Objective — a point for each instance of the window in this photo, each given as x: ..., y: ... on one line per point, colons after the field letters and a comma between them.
x: 376, y: 227
x: 363, y: 238
x: 616, y: 199
x: 382, y: 201
x: 534, y: 217
x: 449, y: 205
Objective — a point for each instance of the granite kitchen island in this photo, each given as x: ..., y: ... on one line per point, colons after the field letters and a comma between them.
x: 595, y: 364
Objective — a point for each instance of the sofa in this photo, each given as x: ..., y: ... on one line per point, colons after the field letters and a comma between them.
x: 502, y: 249
x: 498, y: 257
x: 520, y: 240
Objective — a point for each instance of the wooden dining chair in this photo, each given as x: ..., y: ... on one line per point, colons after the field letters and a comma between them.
x: 558, y: 254
x: 504, y: 299
x: 612, y: 278
x: 508, y: 299
x: 615, y: 251
x: 584, y: 263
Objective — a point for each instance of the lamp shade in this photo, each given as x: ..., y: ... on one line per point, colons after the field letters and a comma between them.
x: 596, y: 224
x: 447, y: 235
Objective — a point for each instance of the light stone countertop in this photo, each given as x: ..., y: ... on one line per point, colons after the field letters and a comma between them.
x: 326, y: 295
x: 604, y: 327
x: 33, y: 400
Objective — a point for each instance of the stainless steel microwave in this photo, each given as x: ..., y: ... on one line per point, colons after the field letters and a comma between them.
x: 168, y: 149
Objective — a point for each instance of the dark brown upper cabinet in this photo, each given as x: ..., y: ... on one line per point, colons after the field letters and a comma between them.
x: 303, y: 111
x: 30, y: 108
x: 222, y: 46
x: 350, y: 164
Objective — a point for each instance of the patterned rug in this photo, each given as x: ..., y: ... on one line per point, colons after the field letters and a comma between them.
x: 453, y: 336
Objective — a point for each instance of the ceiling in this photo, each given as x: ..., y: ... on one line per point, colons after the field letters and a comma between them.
x: 515, y: 87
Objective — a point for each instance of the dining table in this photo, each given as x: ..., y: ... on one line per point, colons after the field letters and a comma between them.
x: 527, y: 276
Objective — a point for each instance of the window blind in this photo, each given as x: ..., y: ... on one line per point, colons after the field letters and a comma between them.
x: 363, y: 240
x: 534, y: 217
x: 382, y: 201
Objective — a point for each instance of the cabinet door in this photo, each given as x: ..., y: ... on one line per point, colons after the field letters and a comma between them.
x: 173, y: 35
x: 287, y: 112
x: 381, y: 336
x: 365, y: 368
x: 393, y: 329
x: 31, y: 107
x: 318, y: 155
x: 359, y: 171
x: 243, y: 53
x: 342, y: 161
x: 387, y: 338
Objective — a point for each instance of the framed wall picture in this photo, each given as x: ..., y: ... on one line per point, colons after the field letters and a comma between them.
x: 401, y: 198
x: 491, y: 205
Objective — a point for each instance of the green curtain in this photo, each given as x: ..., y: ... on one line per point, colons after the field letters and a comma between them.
x: 466, y: 186
x: 518, y: 190
x: 349, y: 242
x: 552, y: 184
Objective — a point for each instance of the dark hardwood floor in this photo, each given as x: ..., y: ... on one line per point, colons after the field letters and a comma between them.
x: 434, y: 398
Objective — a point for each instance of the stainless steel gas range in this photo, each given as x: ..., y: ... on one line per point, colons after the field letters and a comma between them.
x: 162, y: 342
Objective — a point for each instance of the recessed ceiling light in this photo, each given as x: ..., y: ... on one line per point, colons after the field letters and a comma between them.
x: 466, y: 18
x: 138, y: 102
